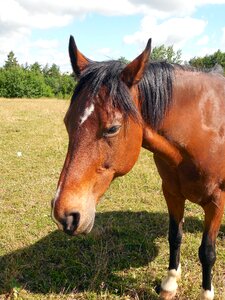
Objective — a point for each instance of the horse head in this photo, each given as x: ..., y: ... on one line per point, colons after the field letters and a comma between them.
x: 105, y: 132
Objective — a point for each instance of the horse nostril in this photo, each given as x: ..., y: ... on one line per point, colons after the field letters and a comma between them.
x: 71, y: 222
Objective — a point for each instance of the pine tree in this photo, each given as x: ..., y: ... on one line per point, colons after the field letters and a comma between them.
x: 36, y: 67
x: 11, y: 61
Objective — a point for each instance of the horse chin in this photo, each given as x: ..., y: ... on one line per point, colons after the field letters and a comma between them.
x: 89, y: 228
x: 85, y: 227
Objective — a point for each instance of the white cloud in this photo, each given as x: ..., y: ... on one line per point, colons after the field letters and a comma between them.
x: 80, y: 7
x: 46, y: 44
x: 55, y: 56
x: 206, y: 51
x: 51, y: 13
x: 170, y: 7
x: 168, y: 22
x: 48, y: 20
x: 178, y: 8
x: 116, y: 7
x: 203, y: 40
x: 174, y: 31
x: 15, y: 40
x: 202, y: 2
x: 14, y: 15
x: 19, y: 17
x: 199, y: 52
x: 171, y: 23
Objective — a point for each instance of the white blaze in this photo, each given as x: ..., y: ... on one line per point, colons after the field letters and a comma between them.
x: 57, y: 193
x: 88, y: 111
x: 53, y: 206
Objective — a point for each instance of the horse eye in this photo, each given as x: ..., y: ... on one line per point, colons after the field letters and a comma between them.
x: 111, y: 131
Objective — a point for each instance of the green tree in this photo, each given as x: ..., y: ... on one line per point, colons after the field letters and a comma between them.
x: 2, y: 83
x: 11, y: 61
x: 52, y: 78
x: 166, y: 53
x: 14, y: 83
x: 123, y: 59
x: 209, y: 61
x: 36, y: 67
x: 25, y: 66
x: 54, y: 71
x: 67, y: 85
x: 35, y: 86
x: 45, y: 70
x: 33, y: 81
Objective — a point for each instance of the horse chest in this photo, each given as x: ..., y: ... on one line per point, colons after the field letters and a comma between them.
x: 194, y: 184
x: 187, y: 180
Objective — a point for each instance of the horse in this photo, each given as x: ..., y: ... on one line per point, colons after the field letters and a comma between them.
x: 173, y: 111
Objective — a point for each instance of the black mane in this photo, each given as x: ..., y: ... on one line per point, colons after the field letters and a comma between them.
x: 155, y: 88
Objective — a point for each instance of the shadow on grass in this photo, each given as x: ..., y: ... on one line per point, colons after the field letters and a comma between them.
x: 119, y: 241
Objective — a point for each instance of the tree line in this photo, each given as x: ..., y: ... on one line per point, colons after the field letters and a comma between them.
x: 215, y: 60
x: 35, y: 81
x: 209, y: 61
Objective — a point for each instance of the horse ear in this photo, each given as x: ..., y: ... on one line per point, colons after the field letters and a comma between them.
x: 78, y: 61
x: 134, y: 71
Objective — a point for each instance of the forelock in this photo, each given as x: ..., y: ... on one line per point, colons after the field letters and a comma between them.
x: 106, y: 75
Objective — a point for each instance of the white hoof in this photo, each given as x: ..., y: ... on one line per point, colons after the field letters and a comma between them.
x: 164, y: 295
x: 207, y: 294
x: 169, y: 283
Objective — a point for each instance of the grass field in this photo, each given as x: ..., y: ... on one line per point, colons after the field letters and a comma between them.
x: 124, y: 257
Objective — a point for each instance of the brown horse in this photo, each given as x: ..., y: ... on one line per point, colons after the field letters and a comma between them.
x: 175, y: 112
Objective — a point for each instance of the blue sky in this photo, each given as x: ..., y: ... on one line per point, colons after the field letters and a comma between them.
x: 38, y: 30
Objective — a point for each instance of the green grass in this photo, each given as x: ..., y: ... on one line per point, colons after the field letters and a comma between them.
x: 124, y: 257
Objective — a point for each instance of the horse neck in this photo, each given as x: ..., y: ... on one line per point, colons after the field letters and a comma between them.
x: 160, y: 140
x: 189, y: 88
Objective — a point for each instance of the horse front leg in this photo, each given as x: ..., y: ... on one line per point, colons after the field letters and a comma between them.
x: 176, y: 212
x: 207, y: 253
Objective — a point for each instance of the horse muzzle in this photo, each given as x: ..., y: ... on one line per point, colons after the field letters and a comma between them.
x: 74, y: 222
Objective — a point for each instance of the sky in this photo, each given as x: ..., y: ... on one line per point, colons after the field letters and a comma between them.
x: 39, y: 30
